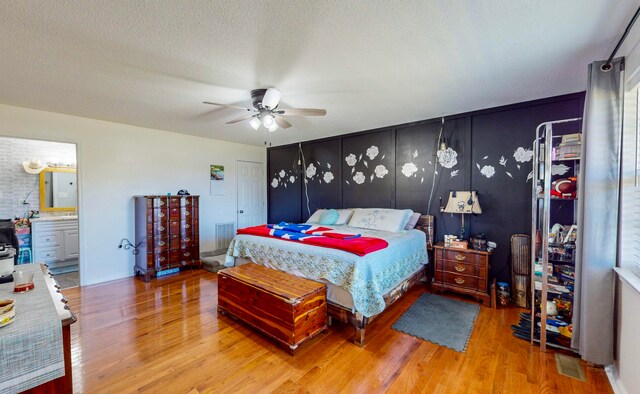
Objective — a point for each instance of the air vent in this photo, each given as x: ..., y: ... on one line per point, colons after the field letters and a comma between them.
x: 224, y: 235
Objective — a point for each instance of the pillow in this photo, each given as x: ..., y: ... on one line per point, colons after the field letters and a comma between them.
x: 329, y: 217
x: 344, y: 216
x: 413, y: 220
x: 315, y: 218
x: 392, y: 220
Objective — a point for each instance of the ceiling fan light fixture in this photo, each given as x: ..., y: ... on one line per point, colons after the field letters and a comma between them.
x: 255, y: 123
x: 268, y: 121
x: 271, y: 98
x: 273, y: 127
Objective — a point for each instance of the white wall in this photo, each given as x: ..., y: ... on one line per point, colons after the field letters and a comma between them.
x: 117, y: 161
x: 627, y: 363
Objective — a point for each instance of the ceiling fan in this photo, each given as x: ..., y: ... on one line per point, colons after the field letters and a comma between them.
x: 265, y: 110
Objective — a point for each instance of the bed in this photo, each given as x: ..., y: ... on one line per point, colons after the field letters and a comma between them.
x: 358, y: 287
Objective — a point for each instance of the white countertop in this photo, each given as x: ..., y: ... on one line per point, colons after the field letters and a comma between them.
x: 54, y: 218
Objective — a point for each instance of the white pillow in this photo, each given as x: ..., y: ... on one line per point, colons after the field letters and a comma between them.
x: 315, y: 218
x: 343, y: 216
x: 413, y: 220
x: 392, y: 220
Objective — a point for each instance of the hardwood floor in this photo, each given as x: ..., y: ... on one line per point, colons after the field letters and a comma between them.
x: 166, y: 336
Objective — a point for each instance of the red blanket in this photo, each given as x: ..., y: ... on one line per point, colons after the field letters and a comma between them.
x: 360, y: 245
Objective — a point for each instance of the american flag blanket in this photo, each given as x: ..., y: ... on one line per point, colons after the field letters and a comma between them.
x: 319, y: 236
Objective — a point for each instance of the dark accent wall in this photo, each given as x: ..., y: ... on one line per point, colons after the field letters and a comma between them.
x: 394, y: 167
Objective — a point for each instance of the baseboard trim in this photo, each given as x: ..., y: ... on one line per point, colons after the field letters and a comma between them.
x: 616, y: 384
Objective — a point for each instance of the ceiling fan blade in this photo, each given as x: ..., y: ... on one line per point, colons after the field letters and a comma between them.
x: 282, y: 123
x: 240, y: 119
x: 227, y: 106
x: 271, y: 98
x: 302, y: 112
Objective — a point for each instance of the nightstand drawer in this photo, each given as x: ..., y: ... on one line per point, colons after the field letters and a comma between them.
x: 470, y: 282
x: 462, y: 256
x: 460, y: 268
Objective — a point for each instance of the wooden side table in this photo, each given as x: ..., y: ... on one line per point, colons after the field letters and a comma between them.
x: 465, y: 271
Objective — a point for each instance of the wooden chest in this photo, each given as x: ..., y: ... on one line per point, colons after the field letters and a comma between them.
x: 287, y: 308
x: 167, y: 233
x: 464, y: 271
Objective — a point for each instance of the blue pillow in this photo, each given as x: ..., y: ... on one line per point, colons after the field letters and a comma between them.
x: 329, y: 217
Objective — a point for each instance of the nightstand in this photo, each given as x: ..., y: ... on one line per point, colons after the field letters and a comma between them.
x: 465, y: 271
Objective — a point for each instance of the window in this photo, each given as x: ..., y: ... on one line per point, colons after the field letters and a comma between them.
x: 630, y: 213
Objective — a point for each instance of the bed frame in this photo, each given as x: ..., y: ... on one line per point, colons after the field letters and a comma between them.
x: 357, y: 320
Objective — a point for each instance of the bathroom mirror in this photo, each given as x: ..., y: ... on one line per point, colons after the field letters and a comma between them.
x: 58, y: 189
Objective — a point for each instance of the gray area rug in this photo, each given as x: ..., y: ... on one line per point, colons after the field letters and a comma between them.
x: 441, y: 320
x: 70, y: 279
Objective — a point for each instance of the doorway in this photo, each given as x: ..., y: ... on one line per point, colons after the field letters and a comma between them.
x: 39, y: 204
x: 251, y: 191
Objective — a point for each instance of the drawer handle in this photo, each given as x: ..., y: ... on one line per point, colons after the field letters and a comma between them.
x: 187, y: 225
x: 186, y: 202
x: 187, y: 239
x: 161, y: 214
x: 48, y: 239
x: 161, y: 228
x: 460, y: 268
x: 161, y: 202
x: 162, y: 258
x: 187, y: 213
x: 174, y: 210
x: 187, y: 254
x: 161, y: 243
x: 459, y: 281
x: 460, y: 257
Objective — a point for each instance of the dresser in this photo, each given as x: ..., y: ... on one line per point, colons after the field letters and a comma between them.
x: 55, y: 240
x: 167, y: 234
x: 464, y: 271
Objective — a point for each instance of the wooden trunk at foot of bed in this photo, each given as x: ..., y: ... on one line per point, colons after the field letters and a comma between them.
x: 359, y: 321
x: 285, y: 307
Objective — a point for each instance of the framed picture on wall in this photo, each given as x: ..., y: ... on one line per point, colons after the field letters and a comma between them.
x: 216, y: 179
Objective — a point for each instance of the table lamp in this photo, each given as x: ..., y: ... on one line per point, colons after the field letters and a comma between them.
x: 464, y: 203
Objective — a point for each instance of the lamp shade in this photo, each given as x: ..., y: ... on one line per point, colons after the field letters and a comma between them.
x: 463, y: 202
x: 255, y: 123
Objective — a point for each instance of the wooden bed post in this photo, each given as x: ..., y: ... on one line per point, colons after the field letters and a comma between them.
x: 359, y: 339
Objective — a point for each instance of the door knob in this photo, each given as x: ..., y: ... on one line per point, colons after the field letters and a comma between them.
x: 241, y: 211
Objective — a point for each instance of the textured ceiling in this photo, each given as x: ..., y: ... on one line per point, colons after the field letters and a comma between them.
x: 369, y: 63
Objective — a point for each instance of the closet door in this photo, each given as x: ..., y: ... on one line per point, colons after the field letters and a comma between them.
x: 283, y: 183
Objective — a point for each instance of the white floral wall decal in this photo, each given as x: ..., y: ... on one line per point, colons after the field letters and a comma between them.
x: 523, y: 155
x: 358, y: 178
x: 503, y: 161
x: 381, y: 171
x: 311, y: 171
x: 408, y: 169
x: 328, y: 176
x: 559, y: 169
x: 373, y: 152
x: 509, y: 174
x: 454, y: 173
x: 415, y: 154
x: 351, y: 160
x: 530, y: 176
x: 282, y: 173
x: 488, y: 171
x: 274, y: 183
x: 485, y: 158
x: 292, y: 179
x: 447, y: 158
